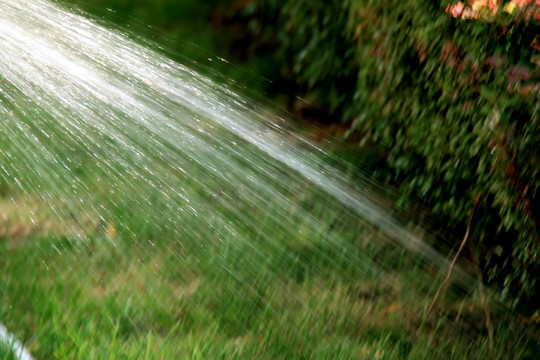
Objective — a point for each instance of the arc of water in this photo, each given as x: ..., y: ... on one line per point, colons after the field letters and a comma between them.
x: 174, y: 83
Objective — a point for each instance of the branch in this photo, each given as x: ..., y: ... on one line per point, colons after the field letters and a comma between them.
x: 453, y: 263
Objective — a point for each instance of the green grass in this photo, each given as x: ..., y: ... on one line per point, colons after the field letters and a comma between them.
x: 6, y: 353
x: 236, y: 298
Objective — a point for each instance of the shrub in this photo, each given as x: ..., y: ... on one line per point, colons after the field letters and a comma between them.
x: 454, y: 102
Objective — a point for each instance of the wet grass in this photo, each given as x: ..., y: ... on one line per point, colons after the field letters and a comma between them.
x: 309, y: 296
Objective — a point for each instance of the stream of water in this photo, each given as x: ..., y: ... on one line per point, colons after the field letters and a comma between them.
x: 104, y: 137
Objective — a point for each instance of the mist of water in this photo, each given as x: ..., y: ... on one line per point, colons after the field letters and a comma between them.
x: 104, y: 135
x: 70, y: 86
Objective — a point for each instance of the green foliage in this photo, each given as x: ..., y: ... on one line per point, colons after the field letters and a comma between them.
x: 3, y: 186
x: 454, y: 102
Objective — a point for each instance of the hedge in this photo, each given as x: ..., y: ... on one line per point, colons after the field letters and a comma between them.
x: 452, y: 96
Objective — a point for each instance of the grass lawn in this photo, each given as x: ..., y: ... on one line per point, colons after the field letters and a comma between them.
x: 330, y: 288
x: 6, y: 353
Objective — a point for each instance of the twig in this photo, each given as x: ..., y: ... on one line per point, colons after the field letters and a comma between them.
x: 485, y: 305
x: 453, y: 263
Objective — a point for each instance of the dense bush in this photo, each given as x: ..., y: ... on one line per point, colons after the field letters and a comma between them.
x: 454, y: 101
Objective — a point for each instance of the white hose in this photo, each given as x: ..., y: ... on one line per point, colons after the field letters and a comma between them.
x: 14, y: 344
